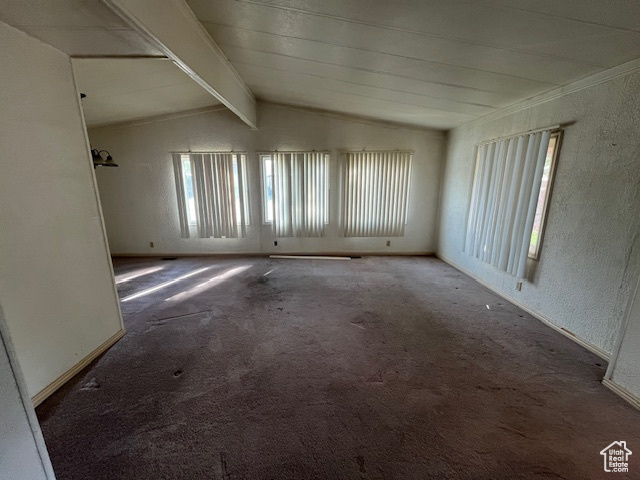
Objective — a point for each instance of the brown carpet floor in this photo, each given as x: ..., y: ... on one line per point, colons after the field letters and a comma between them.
x: 375, y: 368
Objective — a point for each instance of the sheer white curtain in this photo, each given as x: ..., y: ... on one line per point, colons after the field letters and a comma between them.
x: 375, y: 193
x: 218, y: 186
x: 505, y: 192
x: 300, y: 193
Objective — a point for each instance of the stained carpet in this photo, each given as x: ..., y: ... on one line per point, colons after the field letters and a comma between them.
x: 375, y: 368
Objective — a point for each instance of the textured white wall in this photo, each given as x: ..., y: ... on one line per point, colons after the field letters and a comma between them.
x: 19, y: 457
x: 56, y: 282
x: 139, y: 197
x: 626, y: 369
x: 590, y: 251
x: 23, y: 455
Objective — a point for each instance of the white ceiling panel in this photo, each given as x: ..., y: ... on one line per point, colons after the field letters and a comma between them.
x: 621, y: 14
x: 417, y: 61
x: 375, y: 110
x: 432, y: 63
x: 96, y: 42
x: 244, y: 59
x: 262, y: 75
x: 120, y: 89
x: 321, y: 30
x: 77, y: 27
x: 380, y: 62
x: 478, y: 22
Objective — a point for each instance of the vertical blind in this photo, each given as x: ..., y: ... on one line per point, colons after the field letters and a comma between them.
x: 375, y: 193
x: 217, y: 189
x: 506, y: 185
x: 300, y: 193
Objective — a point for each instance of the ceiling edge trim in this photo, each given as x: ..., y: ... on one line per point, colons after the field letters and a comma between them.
x: 593, y: 80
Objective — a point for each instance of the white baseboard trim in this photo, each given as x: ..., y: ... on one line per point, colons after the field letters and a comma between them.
x: 309, y: 257
x: 583, y: 343
x: 181, y: 255
x: 267, y: 254
x: 73, y: 371
x: 622, y: 392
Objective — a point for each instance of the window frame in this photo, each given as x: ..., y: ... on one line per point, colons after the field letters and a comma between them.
x: 344, y: 155
x: 264, y: 157
x: 184, y: 159
x: 535, y: 256
x: 268, y: 156
x: 240, y: 159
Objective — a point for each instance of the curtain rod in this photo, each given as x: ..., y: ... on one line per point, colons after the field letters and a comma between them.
x: 244, y: 152
x: 292, y: 151
x: 528, y: 132
x: 239, y: 152
x: 377, y: 151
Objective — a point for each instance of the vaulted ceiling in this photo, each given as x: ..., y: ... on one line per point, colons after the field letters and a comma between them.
x: 436, y: 63
x: 432, y: 63
x: 125, y: 89
x: 77, y: 27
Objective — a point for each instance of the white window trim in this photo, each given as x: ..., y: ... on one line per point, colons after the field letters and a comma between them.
x: 519, y: 266
x: 547, y: 201
x: 240, y: 157
x: 192, y: 222
x: 262, y: 157
x: 241, y: 171
x: 343, y: 155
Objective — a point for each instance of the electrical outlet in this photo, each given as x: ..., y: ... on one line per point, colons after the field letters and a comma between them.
x: 519, y: 286
x: 388, y: 243
x: 151, y: 244
x: 275, y: 243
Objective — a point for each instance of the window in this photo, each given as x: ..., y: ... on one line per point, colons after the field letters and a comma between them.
x: 187, y: 177
x: 240, y: 188
x: 295, y: 189
x: 375, y: 193
x: 212, y: 194
x: 512, y: 182
x: 267, y: 186
x: 542, y: 205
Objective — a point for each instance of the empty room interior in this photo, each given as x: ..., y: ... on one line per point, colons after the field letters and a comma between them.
x: 319, y: 239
